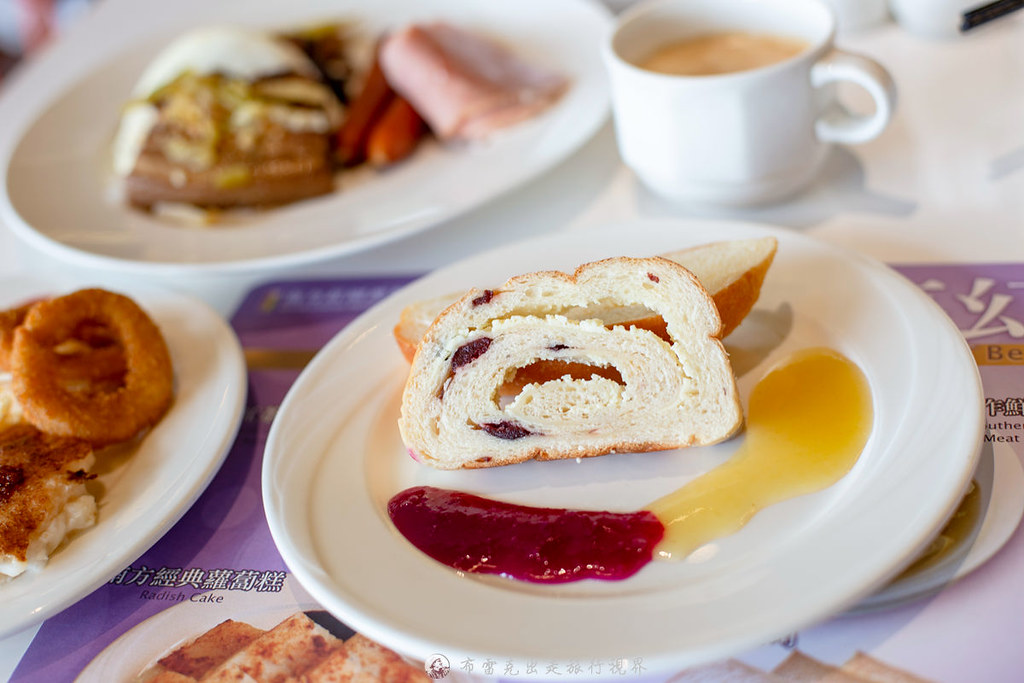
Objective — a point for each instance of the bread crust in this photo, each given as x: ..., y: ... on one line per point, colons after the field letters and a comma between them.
x: 742, y: 276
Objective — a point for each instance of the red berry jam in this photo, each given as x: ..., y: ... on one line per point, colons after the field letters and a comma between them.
x: 543, y: 545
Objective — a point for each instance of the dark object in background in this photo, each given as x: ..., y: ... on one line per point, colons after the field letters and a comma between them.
x: 7, y: 62
x: 986, y: 13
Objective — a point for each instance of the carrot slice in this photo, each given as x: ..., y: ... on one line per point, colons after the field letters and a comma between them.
x: 366, y: 108
x: 396, y: 134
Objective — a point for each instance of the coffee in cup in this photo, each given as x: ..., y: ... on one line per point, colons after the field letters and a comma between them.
x: 734, y: 101
x: 721, y: 53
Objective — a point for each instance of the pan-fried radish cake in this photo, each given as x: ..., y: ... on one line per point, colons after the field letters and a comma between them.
x: 291, y: 647
x: 296, y: 650
x: 198, y: 657
x: 43, y: 497
x: 361, y: 659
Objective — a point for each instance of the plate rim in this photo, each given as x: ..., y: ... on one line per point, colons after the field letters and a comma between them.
x: 417, y: 643
x: 600, y: 113
x: 37, y: 608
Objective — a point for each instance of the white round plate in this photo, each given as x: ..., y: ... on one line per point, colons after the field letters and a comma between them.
x: 334, y: 457
x: 65, y: 151
x: 143, y: 495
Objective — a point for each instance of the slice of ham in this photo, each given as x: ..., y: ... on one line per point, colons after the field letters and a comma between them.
x: 465, y: 86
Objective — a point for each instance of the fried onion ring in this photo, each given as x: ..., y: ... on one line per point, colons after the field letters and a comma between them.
x: 9, y: 321
x: 93, y: 354
x: 90, y: 354
x: 110, y: 414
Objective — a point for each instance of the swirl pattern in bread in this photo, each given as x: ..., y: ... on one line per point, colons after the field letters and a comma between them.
x: 624, y: 388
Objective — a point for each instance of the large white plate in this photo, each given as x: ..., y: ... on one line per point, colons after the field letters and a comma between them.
x: 65, y: 151
x: 142, y: 496
x: 334, y: 458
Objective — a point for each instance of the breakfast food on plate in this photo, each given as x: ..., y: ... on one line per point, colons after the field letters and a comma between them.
x: 288, y: 649
x: 42, y: 495
x: 98, y: 414
x: 297, y: 650
x: 732, y: 272
x: 395, y: 133
x: 228, y: 117
x: 808, y: 421
x: 798, y: 666
x: 211, y: 649
x: 361, y: 659
x: 465, y: 85
x: 654, y: 377
x: 642, y: 391
x: 80, y: 371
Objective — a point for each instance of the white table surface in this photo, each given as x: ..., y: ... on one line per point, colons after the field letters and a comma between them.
x: 944, y: 183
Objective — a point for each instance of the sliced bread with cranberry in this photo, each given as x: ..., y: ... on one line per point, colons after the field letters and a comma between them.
x: 630, y: 389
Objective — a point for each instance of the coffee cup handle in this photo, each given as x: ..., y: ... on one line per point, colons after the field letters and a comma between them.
x: 839, y: 125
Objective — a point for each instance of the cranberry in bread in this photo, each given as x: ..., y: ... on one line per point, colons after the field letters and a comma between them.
x: 227, y: 117
x: 639, y: 389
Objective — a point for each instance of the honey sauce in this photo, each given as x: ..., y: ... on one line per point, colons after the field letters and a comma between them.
x: 807, y: 423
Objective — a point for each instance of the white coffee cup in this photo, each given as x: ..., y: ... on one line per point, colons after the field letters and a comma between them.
x: 743, y: 137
